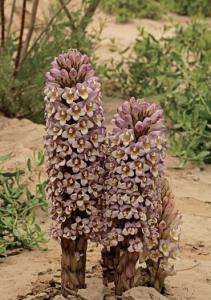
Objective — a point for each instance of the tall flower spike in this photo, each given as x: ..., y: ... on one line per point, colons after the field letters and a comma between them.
x: 74, y: 139
x: 134, y: 163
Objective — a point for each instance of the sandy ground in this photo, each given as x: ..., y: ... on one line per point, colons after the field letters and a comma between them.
x: 192, y: 188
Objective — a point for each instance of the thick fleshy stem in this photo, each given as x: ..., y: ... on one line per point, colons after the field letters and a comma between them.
x: 73, y: 264
x: 125, y: 269
x: 108, y: 265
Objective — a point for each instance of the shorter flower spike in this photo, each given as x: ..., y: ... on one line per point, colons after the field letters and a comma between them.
x: 133, y: 207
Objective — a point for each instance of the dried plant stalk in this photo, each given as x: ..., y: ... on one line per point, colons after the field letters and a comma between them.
x: 2, y: 23
x: 31, y: 29
x: 11, y: 17
x: 169, y: 224
x: 20, y: 42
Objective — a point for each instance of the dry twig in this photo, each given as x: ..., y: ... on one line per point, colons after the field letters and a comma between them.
x: 11, y: 18
x: 17, y: 60
x: 2, y: 23
x: 31, y: 28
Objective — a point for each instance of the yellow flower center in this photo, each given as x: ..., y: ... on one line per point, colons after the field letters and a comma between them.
x: 139, y: 165
x: 81, y: 142
x: 120, y: 153
x: 83, y: 124
x: 71, y: 181
x: 71, y: 132
x: 125, y: 169
x: 134, y: 150
x: 89, y: 107
x: 55, y: 129
x: 95, y: 137
x: 83, y: 93
x: 85, y: 174
x: 76, y: 161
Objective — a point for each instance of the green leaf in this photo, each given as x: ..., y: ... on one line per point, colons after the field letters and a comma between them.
x: 29, y: 164
x: 12, y: 174
x: 15, y: 232
x: 39, y: 158
x: 6, y: 156
x: 37, y: 227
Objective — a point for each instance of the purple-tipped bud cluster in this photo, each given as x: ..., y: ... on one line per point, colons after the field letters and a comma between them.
x: 74, y: 146
x: 134, y: 162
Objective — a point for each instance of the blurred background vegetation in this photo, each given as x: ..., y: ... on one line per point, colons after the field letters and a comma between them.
x: 175, y: 70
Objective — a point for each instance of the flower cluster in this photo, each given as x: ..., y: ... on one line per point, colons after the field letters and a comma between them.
x: 134, y: 162
x: 169, y: 224
x: 74, y: 145
x: 158, y: 262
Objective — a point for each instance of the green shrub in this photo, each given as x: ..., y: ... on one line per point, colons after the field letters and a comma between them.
x: 21, y: 87
x: 125, y: 10
x: 194, y: 7
x: 21, y: 191
x: 176, y: 70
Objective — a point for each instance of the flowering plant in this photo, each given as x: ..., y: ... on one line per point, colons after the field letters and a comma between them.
x: 74, y: 146
x: 109, y: 189
x: 132, y: 206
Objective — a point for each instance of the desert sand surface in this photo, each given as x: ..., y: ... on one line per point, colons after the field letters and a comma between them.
x: 33, y: 271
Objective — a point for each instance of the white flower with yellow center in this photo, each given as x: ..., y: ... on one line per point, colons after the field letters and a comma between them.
x: 131, y: 186
x: 139, y: 167
x: 114, y: 140
x: 152, y: 157
x: 55, y: 131
x: 175, y: 233
x: 133, y: 151
x: 69, y: 95
x: 82, y: 200
x: 62, y: 116
x: 81, y: 144
x: 98, y: 119
x: 77, y: 112
x: 54, y: 94
x: 119, y: 154
x: 70, y: 134
x: 126, y: 138
x: 164, y: 248
x: 90, y: 107
x: 125, y: 171
x: 71, y: 185
x: 50, y: 109
x: 96, y: 138
x: 84, y: 176
x: 76, y: 163
x: 112, y: 182
x: 83, y: 92
x: 158, y: 143
x: 84, y: 125
x: 146, y: 145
